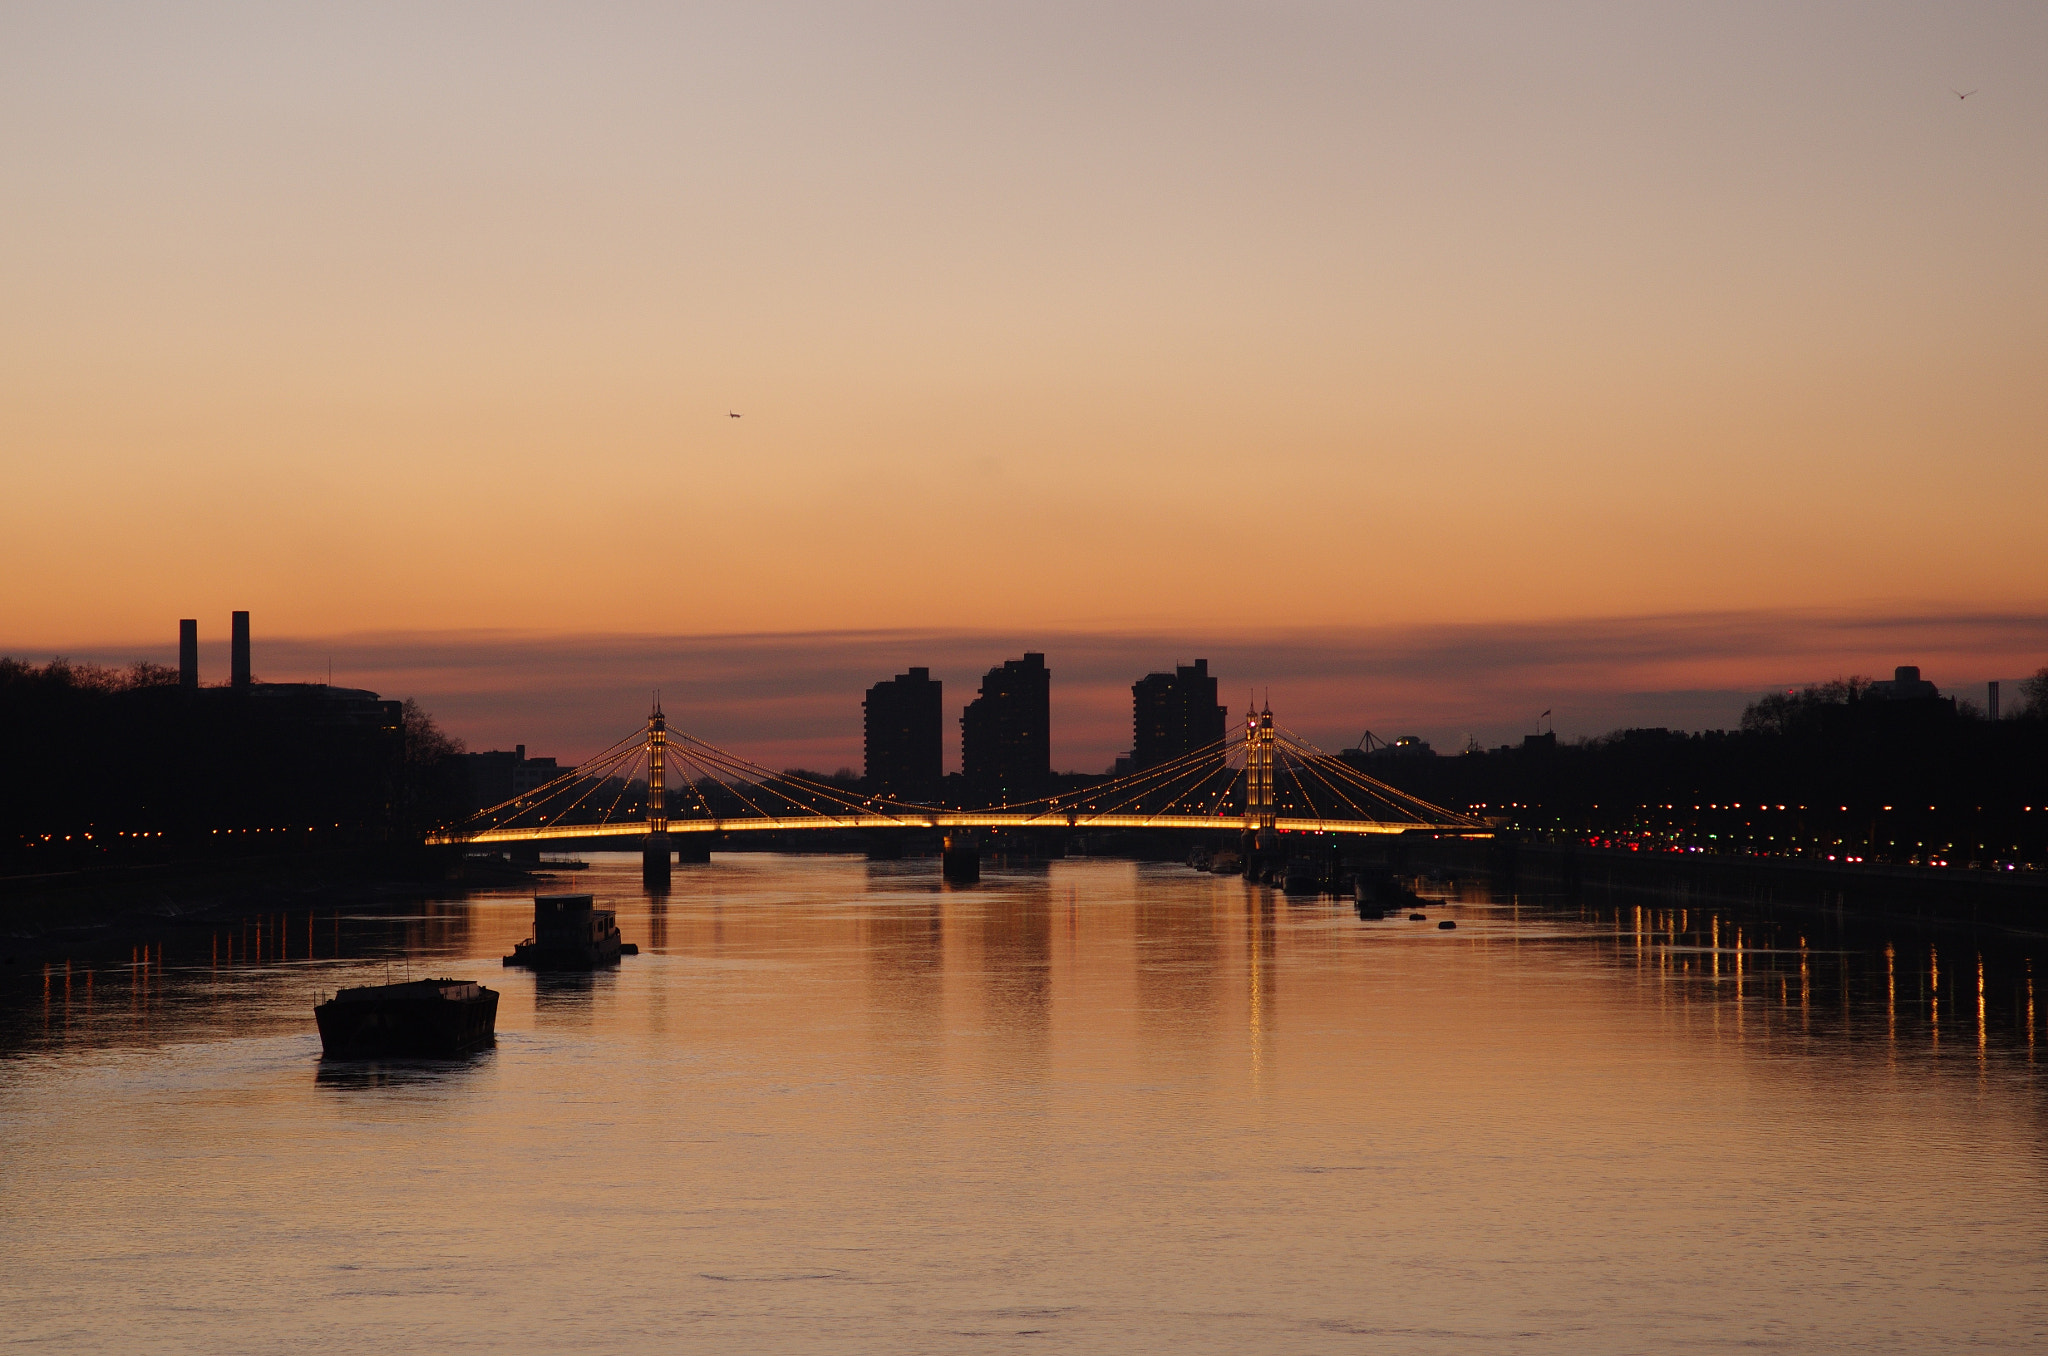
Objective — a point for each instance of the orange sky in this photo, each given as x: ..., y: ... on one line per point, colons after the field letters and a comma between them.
x: 1093, y: 318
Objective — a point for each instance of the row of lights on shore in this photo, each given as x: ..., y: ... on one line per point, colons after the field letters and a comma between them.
x: 158, y: 833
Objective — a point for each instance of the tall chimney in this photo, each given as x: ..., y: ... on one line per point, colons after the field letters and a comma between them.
x: 238, y: 644
x: 1993, y: 686
x: 188, y: 654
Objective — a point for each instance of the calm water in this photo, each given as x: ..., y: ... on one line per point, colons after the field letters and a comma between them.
x: 834, y: 1106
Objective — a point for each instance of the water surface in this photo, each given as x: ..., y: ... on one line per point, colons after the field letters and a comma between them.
x: 834, y: 1105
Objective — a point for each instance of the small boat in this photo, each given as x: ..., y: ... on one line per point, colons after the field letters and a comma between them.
x: 425, y: 1018
x: 1302, y: 878
x: 569, y: 934
x: 1226, y: 864
x: 1381, y: 889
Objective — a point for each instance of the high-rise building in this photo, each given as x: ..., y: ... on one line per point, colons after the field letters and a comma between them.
x: 188, y: 654
x: 238, y: 649
x: 903, y: 722
x: 1173, y: 714
x: 1006, y: 732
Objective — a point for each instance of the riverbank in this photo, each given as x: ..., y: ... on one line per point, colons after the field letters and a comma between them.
x: 1928, y: 897
x: 75, y: 912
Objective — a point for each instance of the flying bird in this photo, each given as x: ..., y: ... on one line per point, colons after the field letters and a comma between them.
x: 731, y: 415
x: 1960, y: 94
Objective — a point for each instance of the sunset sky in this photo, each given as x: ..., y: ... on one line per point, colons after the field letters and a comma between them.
x: 1447, y: 362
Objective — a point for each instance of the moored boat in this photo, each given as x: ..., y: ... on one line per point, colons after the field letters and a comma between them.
x: 424, y: 1018
x: 570, y: 934
x: 1302, y: 877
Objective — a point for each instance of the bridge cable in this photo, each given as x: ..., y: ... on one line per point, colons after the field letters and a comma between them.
x: 540, y: 794
x: 1394, y: 796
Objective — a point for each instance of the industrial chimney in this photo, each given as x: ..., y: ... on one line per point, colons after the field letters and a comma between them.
x: 188, y: 654
x: 1993, y: 694
x: 238, y: 644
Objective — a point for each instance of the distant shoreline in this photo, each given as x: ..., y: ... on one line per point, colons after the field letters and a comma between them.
x: 82, y: 911
x: 2013, y: 902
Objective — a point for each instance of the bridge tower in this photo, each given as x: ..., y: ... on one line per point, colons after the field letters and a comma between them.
x: 654, y: 852
x: 1258, y: 783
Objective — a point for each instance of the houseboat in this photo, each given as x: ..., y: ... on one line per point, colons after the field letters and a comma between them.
x: 569, y: 934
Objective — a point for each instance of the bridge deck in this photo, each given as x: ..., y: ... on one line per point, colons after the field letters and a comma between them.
x: 948, y: 819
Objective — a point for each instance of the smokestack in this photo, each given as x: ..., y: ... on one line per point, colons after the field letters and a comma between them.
x: 238, y: 644
x: 1993, y: 704
x: 188, y: 654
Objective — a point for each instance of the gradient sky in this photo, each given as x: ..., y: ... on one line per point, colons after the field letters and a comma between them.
x: 1201, y: 321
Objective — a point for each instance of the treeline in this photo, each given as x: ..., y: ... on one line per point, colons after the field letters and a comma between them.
x: 103, y: 765
x: 1831, y: 771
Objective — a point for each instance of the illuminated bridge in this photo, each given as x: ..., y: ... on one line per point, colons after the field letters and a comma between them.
x: 1263, y: 783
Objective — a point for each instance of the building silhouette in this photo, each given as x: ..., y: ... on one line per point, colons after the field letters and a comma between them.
x: 1173, y: 714
x: 238, y: 650
x: 494, y: 777
x: 902, y: 735
x: 188, y: 654
x: 1906, y: 685
x: 1006, y: 732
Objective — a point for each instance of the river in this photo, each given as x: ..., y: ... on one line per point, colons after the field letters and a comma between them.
x: 1090, y: 1105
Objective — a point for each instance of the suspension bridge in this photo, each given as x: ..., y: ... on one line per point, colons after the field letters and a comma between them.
x: 671, y: 791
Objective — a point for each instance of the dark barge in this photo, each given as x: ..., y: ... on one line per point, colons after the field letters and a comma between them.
x: 426, y: 1018
x: 569, y: 934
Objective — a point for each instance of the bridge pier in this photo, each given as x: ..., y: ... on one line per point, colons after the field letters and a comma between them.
x: 654, y: 861
x: 960, y: 857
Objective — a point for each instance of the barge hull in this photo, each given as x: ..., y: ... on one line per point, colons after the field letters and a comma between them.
x: 429, y: 1028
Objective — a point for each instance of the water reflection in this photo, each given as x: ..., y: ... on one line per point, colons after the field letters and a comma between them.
x: 566, y: 998
x: 903, y: 937
x: 1261, y: 987
x: 1819, y: 977
x: 355, y: 1075
x: 1013, y: 925
x: 1825, y: 976
x: 1086, y: 1098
